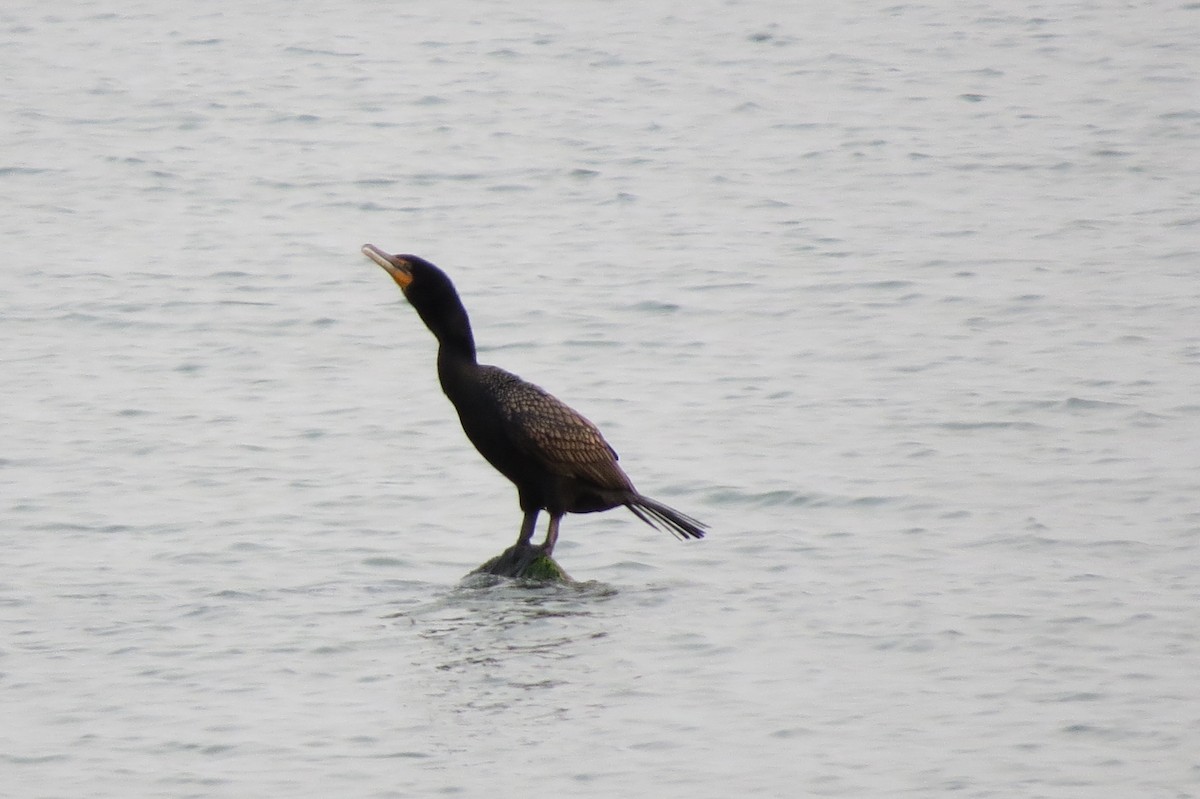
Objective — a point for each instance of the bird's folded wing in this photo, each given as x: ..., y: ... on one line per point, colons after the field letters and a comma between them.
x: 560, y: 437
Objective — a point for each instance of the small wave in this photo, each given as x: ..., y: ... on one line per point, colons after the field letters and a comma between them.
x: 33, y: 760
x: 302, y: 118
x: 309, y: 51
x: 729, y: 496
x: 792, y: 498
x: 375, y: 182
x: 6, y: 171
x: 1076, y: 696
x: 1081, y: 404
x: 872, y: 285
x: 988, y: 425
x: 508, y: 602
x: 655, y: 306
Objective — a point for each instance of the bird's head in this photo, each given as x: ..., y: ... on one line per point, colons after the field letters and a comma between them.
x: 431, y: 292
x: 422, y: 282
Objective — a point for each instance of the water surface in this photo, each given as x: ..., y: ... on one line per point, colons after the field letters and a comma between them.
x: 899, y: 298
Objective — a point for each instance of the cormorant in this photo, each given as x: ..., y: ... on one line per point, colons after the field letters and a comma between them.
x: 558, y: 460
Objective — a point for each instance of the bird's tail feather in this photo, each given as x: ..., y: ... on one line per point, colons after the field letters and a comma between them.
x: 658, y: 515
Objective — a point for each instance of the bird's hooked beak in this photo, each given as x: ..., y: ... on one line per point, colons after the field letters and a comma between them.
x: 394, y: 265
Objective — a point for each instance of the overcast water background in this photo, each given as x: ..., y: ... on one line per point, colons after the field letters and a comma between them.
x: 900, y: 298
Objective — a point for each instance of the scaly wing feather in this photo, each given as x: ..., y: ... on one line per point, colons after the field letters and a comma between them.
x: 557, y: 435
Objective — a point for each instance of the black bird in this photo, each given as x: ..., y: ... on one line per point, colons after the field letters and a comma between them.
x: 558, y: 460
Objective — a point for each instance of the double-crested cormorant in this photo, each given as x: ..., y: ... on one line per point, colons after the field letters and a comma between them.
x: 558, y: 460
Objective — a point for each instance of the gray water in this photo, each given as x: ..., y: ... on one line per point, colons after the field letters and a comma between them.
x: 901, y: 299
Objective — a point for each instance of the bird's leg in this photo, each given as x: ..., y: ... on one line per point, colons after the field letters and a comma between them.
x: 551, y: 534
x: 527, y: 525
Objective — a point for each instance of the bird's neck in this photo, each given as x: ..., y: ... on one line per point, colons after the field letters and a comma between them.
x: 457, y: 347
x: 456, y: 365
x: 454, y: 361
x: 452, y: 328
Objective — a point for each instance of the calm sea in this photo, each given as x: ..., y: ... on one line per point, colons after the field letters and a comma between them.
x: 900, y: 298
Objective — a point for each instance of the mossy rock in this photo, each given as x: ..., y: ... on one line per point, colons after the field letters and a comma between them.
x: 525, y: 563
x: 546, y: 570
